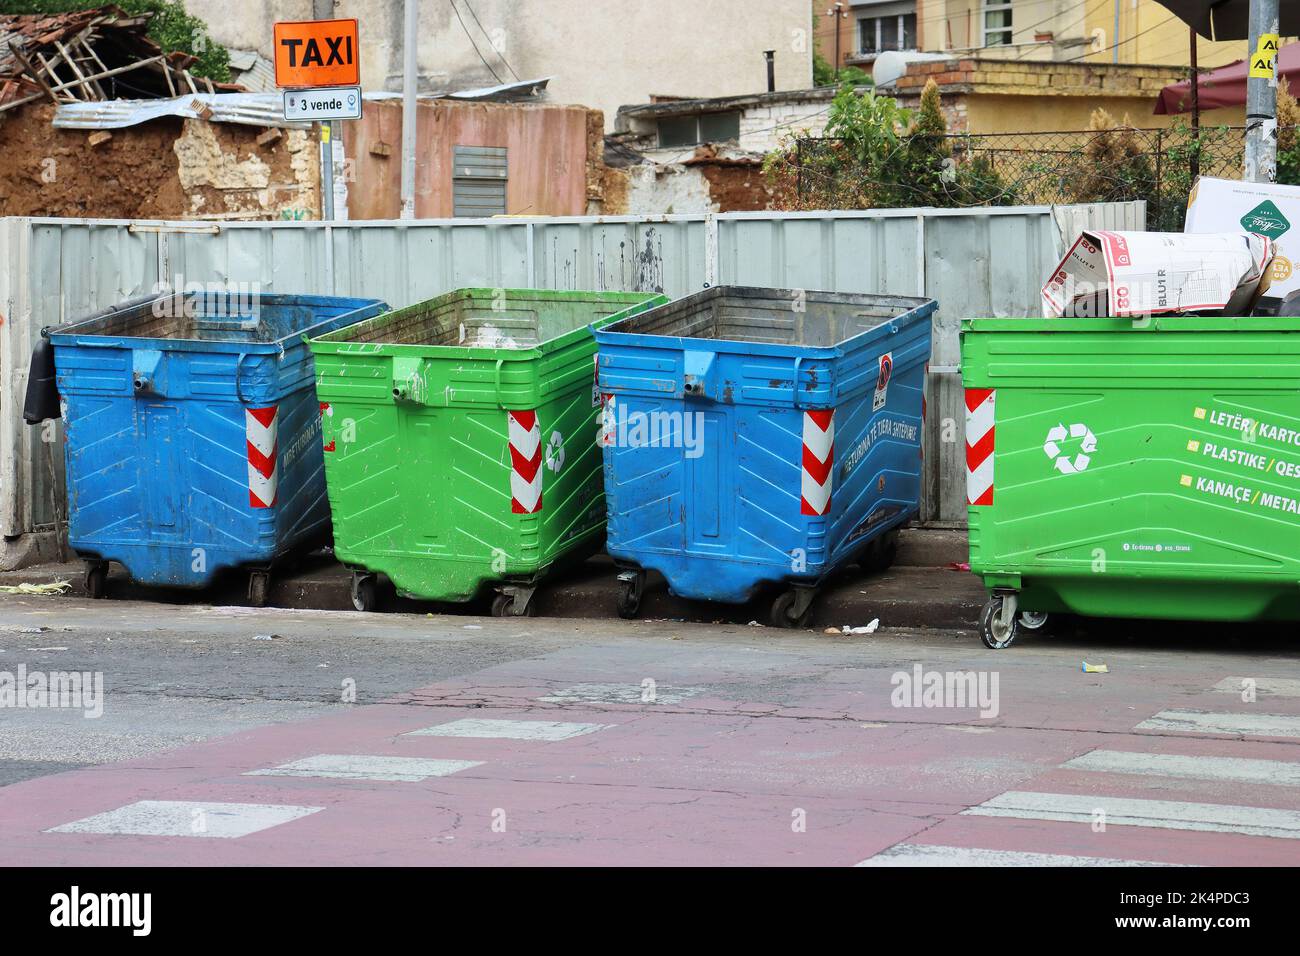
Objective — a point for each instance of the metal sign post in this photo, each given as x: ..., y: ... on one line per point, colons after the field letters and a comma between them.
x: 1261, y: 93
x: 409, y: 79
x: 318, y: 62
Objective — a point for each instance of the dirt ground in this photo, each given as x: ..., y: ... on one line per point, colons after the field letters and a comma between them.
x: 136, y: 173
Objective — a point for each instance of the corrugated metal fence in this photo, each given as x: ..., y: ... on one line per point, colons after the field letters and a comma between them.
x: 974, y: 262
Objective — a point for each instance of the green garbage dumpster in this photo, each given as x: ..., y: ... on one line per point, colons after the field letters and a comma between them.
x: 1133, y: 468
x: 460, y: 442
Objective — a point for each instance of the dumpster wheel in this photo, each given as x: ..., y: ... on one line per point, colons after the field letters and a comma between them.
x: 259, y: 587
x: 996, y: 630
x: 881, y: 554
x: 792, y: 608
x: 97, y: 578
x: 510, y: 604
x: 365, y: 592
x: 629, y: 598
x: 1033, y: 620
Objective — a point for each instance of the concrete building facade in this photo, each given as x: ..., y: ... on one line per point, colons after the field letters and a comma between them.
x: 601, y: 55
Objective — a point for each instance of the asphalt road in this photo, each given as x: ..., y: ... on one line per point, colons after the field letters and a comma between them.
x: 238, y: 736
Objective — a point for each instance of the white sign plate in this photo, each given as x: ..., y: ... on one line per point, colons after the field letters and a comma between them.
x: 325, y: 103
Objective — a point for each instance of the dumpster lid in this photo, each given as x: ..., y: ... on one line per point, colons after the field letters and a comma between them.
x: 766, y: 316
x: 215, y: 317
x: 513, y: 319
x: 1155, y: 323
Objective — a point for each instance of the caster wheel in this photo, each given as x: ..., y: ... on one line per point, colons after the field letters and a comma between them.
x: 97, y: 579
x: 629, y: 601
x: 259, y: 588
x: 503, y: 605
x: 365, y: 592
x: 881, y: 555
x: 993, y: 632
x: 783, y: 611
x: 1033, y: 620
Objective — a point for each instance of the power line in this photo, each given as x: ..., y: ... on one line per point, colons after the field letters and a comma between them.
x: 1121, y: 43
x: 470, y: 36
x: 939, y: 17
x: 489, y: 39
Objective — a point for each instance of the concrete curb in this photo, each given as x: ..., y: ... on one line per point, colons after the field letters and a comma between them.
x: 921, y: 590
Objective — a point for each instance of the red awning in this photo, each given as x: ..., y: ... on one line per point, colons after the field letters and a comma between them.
x: 1226, y: 86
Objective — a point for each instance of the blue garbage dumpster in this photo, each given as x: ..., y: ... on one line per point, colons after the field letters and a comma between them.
x: 193, y: 434
x: 757, y: 437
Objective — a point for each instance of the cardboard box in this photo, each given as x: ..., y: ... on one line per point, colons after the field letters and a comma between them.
x: 1150, y: 273
x: 1226, y: 205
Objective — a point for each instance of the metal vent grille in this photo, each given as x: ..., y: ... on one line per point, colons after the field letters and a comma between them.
x: 478, y: 181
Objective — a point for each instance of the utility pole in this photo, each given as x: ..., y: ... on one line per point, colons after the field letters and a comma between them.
x: 1196, y: 106
x: 835, y: 15
x: 1261, y: 94
x: 324, y: 10
x: 1114, y: 56
x: 410, y: 39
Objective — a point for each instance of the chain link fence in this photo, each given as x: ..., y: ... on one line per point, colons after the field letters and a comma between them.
x: 1002, y: 169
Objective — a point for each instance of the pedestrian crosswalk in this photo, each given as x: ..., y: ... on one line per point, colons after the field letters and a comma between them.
x: 1138, y: 803
x: 916, y: 854
x: 187, y: 818
x: 232, y: 820
x: 1173, y: 764
x: 1161, y: 814
x: 1231, y: 769
x: 509, y: 729
x: 1235, y: 724
x: 367, y: 767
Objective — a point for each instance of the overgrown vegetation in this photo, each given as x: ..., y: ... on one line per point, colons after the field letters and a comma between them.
x: 1113, y: 166
x: 1288, y: 140
x: 875, y: 153
x: 170, y: 26
x: 824, y: 74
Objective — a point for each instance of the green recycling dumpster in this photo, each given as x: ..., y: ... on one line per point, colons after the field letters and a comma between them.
x: 460, y: 442
x: 1133, y: 468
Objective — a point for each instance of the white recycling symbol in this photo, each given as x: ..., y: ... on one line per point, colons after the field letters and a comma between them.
x: 1064, y: 463
x: 555, y: 452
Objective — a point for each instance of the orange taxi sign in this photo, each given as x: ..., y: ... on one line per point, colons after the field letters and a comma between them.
x: 317, y: 53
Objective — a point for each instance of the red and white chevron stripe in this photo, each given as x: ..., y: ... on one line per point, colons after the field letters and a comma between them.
x: 979, y: 445
x: 261, y: 431
x: 608, y: 419
x: 818, y: 461
x: 525, y: 463
x: 327, y: 409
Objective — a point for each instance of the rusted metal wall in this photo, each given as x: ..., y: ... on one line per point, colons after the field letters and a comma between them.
x: 547, y: 153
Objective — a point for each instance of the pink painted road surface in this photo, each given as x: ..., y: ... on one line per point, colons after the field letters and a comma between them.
x: 758, y: 747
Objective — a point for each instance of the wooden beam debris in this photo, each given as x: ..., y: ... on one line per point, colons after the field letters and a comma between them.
x: 53, y: 91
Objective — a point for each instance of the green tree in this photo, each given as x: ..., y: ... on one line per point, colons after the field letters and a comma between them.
x: 824, y: 74
x: 931, y: 171
x: 170, y: 26
x: 1288, y: 142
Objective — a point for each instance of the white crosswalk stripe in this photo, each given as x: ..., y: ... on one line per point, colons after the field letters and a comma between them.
x: 508, y: 729
x: 367, y: 767
x: 1212, y: 722
x: 1280, y: 773
x: 187, y: 818
x: 912, y: 854
x: 1160, y: 814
